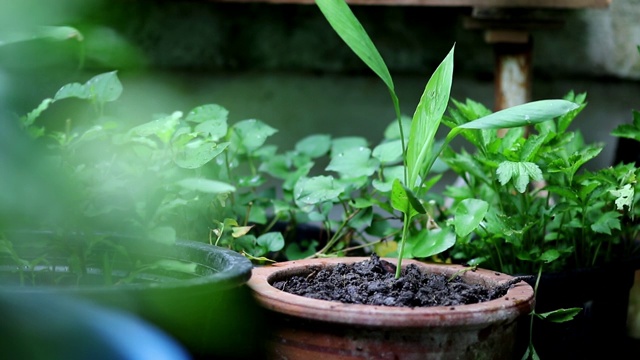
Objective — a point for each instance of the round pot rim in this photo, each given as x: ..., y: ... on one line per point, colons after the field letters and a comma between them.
x: 519, y: 299
x: 231, y: 269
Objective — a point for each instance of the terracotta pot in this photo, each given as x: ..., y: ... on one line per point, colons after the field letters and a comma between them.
x: 304, y: 328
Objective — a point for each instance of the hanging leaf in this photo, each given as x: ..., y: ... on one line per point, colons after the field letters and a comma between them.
x: 347, y: 26
x: 560, y: 315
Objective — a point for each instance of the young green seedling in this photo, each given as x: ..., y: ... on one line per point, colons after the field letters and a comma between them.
x: 420, y: 151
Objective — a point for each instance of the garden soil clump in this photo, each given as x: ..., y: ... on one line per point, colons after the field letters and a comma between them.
x: 373, y: 282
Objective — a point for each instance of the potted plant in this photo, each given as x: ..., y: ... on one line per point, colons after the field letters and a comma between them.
x: 376, y: 331
x: 102, y: 209
x: 543, y: 213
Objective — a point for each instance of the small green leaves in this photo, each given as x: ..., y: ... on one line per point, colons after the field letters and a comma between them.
x: 630, y: 131
x: 163, y: 127
x: 211, y: 120
x: 249, y: 135
x: 468, y: 215
x: 271, y: 241
x: 606, y: 222
x: 305, y: 248
x: 311, y: 191
x: 388, y: 152
x: 314, y: 146
x: 254, y: 248
x: 197, y: 153
x: 550, y: 255
x: 353, y: 163
x: 560, y: 315
x: 624, y: 196
x: 520, y: 172
x: 100, y: 89
x: 404, y: 200
x: 432, y: 242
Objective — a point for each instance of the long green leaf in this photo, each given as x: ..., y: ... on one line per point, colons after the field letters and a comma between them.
x: 519, y: 115
x: 347, y: 26
x: 522, y: 115
x: 426, y: 120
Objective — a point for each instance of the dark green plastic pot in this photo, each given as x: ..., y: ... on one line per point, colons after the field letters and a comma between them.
x: 209, y: 310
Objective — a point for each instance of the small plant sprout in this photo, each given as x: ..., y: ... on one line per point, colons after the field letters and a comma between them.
x: 420, y: 150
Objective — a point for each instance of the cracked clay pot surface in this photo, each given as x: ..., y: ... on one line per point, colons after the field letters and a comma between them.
x: 304, y: 328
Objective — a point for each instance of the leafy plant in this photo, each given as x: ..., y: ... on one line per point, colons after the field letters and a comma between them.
x: 164, y: 179
x: 419, y: 149
x: 539, y: 207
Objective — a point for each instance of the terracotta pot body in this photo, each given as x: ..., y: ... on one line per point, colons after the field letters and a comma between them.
x: 306, y: 328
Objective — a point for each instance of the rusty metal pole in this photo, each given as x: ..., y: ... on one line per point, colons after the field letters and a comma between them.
x: 513, y: 75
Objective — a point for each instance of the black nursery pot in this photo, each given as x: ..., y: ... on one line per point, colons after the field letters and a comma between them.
x: 599, y: 330
x: 205, y: 310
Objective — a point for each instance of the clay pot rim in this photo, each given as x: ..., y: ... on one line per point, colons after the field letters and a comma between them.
x: 519, y: 299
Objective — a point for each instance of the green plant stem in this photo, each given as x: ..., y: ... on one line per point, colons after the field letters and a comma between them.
x: 364, y: 245
x: 271, y: 223
x: 499, y: 258
x: 405, y: 231
x: 533, y: 311
x: 336, y: 236
x: 396, y: 107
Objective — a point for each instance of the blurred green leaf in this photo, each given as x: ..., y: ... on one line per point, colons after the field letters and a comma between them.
x: 206, y: 185
x: 101, y: 88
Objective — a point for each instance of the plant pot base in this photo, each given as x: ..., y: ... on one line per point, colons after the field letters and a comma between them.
x: 304, y: 328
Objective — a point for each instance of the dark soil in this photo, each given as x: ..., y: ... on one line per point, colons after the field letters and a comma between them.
x: 373, y: 282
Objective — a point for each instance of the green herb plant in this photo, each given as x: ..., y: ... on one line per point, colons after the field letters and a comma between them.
x: 542, y: 208
x: 543, y: 211
x: 419, y: 149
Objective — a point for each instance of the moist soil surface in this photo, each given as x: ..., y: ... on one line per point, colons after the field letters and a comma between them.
x: 373, y: 282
